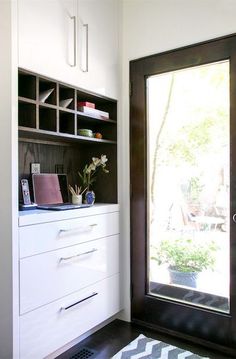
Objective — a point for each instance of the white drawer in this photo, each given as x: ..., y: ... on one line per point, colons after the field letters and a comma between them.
x: 52, y: 275
x: 48, y: 328
x: 45, y: 237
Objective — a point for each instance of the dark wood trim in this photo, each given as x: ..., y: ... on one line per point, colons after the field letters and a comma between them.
x: 190, y: 321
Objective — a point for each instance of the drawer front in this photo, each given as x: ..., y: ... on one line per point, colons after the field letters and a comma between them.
x: 48, y: 328
x: 52, y: 275
x: 45, y: 237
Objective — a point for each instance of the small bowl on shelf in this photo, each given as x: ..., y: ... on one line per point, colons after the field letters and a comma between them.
x: 85, y: 132
x: 65, y: 103
x: 45, y: 94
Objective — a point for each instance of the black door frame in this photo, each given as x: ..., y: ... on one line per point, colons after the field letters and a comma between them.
x: 207, y: 327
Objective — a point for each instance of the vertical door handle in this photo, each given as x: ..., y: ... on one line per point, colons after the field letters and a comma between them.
x: 234, y: 217
x: 74, y: 19
x: 84, y: 66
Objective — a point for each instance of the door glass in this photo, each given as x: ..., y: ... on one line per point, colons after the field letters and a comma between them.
x: 188, y: 185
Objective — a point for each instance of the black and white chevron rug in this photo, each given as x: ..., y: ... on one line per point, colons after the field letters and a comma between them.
x: 147, y: 348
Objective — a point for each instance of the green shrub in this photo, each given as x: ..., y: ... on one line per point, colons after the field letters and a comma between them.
x: 186, y: 255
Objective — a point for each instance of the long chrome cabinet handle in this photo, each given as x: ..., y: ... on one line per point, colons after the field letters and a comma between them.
x: 78, y: 229
x: 80, y: 301
x: 77, y: 255
x: 86, y: 51
x: 85, y: 69
x: 75, y: 41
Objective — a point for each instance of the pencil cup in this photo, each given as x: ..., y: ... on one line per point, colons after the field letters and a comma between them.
x: 77, y: 199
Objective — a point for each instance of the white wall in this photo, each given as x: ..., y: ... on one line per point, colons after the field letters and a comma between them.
x: 8, y: 181
x: 150, y: 27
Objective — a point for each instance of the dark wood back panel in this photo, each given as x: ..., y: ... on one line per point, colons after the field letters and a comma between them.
x: 73, y: 159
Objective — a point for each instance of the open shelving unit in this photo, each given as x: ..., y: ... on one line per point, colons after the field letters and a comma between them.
x: 48, y: 131
x: 49, y: 116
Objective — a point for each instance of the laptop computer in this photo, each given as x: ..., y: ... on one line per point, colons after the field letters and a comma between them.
x: 51, y: 192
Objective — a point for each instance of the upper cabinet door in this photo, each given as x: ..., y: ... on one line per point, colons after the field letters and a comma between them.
x: 75, y: 41
x: 98, y: 35
x: 44, y: 36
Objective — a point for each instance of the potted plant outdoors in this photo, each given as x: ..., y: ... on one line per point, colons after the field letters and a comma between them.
x: 186, y: 258
x: 88, y: 177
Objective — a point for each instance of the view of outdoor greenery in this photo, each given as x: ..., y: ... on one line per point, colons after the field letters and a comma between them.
x: 188, y: 177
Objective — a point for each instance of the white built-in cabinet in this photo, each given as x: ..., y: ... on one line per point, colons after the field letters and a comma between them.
x: 69, y: 275
x: 65, y: 280
x: 74, y: 41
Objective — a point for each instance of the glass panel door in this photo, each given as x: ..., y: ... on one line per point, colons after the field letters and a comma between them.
x: 188, y: 185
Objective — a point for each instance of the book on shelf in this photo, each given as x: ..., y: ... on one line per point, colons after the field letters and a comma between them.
x: 86, y: 104
x: 94, y: 112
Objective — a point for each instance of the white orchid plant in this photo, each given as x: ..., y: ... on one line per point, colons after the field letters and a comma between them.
x: 88, y: 174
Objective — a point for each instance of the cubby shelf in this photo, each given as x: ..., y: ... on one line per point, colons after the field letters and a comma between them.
x: 25, y: 99
x: 27, y: 132
x: 48, y: 105
x: 48, y: 132
x: 93, y: 118
x: 48, y: 117
x: 66, y: 110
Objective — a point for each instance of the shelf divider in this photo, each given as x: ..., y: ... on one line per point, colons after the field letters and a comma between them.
x: 33, y: 133
x: 57, y: 113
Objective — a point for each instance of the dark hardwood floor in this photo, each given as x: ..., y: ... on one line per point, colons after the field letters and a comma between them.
x: 113, y: 337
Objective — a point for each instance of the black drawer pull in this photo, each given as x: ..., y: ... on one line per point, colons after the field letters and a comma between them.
x: 80, y: 301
